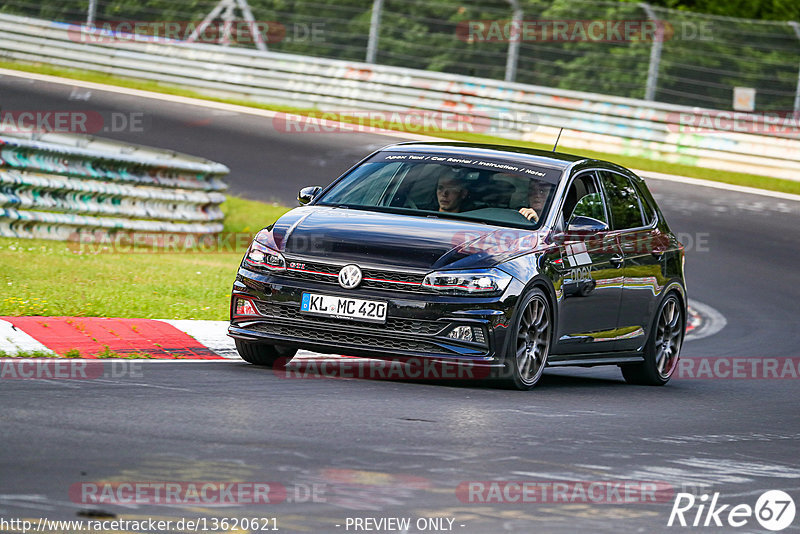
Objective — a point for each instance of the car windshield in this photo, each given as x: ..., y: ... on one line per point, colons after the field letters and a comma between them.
x: 505, y: 193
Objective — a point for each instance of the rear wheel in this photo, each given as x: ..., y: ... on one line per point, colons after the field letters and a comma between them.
x: 663, y: 347
x: 529, y: 348
x: 264, y: 354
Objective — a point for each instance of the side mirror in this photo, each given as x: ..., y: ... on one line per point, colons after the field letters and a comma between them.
x: 590, y: 225
x: 307, y: 194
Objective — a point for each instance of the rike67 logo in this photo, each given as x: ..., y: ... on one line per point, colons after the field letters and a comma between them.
x: 774, y: 510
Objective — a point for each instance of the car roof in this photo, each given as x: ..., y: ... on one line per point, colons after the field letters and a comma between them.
x: 557, y: 160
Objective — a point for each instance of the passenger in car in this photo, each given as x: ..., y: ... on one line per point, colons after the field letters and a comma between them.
x: 537, y: 196
x: 451, y: 193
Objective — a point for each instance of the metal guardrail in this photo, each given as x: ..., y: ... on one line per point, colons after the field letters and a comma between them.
x: 590, y: 121
x: 58, y: 186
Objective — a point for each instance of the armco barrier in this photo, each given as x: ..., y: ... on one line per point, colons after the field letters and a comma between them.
x: 590, y: 121
x: 58, y: 186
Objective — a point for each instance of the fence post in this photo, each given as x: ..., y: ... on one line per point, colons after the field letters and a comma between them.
x: 226, y: 9
x: 515, y: 34
x: 374, y: 30
x: 90, y: 13
x: 251, y: 21
x: 655, y: 53
x: 796, y: 28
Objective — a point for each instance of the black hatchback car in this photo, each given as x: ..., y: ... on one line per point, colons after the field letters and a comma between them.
x: 506, y: 258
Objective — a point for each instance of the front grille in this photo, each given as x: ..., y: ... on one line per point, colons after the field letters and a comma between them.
x: 392, y: 324
x: 395, y: 276
x: 313, y: 268
x: 326, y: 335
x: 372, y: 278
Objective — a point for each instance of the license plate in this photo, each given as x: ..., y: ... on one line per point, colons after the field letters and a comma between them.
x: 343, y: 307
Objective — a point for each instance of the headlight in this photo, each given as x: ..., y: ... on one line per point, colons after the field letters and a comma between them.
x: 262, y: 257
x: 486, y: 282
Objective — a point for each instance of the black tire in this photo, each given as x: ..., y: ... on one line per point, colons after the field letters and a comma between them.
x: 264, y: 354
x: 529, y: 347
x: 663, y: 347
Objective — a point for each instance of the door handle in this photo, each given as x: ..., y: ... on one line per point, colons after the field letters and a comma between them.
x: 616, y: 260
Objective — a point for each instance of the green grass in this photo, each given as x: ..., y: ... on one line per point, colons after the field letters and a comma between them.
x: 106, y: 353
x: 35, y: 354
x: 49, y: 278
x: 641, y: 163
x: 39, y: 277
x: 249, y: 216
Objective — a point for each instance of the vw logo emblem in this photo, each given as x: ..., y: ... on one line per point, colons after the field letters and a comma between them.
x: 350, y: 276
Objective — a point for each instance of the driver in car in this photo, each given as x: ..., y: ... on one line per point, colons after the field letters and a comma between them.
x: 451, y: 193
x: 537, y: 195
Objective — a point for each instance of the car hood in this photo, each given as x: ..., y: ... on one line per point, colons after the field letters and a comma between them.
x: 394, y: 240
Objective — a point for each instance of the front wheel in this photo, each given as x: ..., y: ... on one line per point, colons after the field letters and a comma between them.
x: 527, y: 352
x: 663, y: 348
x: 264, y: 354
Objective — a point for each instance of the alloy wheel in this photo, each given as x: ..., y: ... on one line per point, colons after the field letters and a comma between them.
x: 533, y: 340
x: 668, y: 338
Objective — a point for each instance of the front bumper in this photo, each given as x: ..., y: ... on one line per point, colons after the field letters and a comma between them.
x: 416, y: 327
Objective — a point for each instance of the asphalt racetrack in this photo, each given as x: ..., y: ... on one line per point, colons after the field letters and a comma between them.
x: 375, y: 449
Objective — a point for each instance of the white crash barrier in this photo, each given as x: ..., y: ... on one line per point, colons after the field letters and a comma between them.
x: 58, y: 186
x: 692, y: 136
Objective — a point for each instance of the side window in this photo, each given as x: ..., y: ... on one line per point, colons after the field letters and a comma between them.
x: 623, y: 201
x: 647, y: 209
x: 584, y: 199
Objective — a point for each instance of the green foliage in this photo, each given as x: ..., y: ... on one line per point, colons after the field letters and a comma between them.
x: 704, y: 55
x: 748, y: 9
